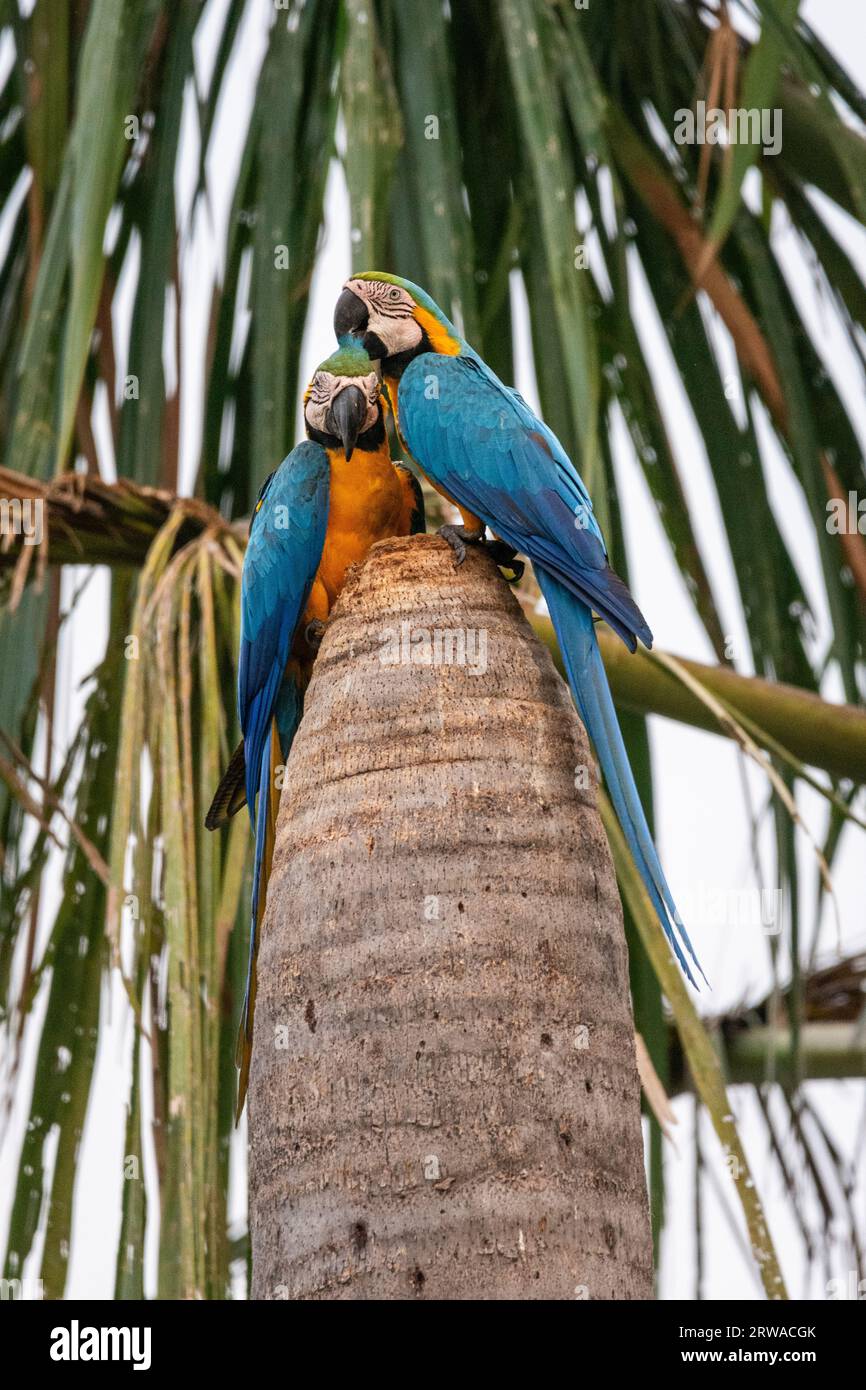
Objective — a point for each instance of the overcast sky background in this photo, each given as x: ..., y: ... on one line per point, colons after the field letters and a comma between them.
x: 702, y: 818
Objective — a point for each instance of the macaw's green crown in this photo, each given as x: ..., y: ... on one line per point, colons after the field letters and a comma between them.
x: 420, y: 296
x: 350, y: 359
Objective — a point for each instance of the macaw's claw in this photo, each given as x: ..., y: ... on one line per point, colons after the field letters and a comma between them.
x: 314, y: 632
x: 458, y: 538
x: 506, y: 557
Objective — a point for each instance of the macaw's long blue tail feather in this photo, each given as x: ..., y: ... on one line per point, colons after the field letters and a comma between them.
x: 575, y: 631
x: 287, y: 717
x: 231, y: 794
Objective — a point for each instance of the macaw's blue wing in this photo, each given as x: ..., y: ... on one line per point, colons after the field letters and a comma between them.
x: 481, y: 443
x: 287, y: 536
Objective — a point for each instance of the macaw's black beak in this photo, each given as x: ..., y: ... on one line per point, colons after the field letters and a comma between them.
x: 346, y: 417
x: 350, y: 315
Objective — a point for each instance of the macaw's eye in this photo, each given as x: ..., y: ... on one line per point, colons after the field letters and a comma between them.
x: 395, y: 293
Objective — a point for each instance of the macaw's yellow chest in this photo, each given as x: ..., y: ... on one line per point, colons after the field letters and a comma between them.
x: 365, y: 506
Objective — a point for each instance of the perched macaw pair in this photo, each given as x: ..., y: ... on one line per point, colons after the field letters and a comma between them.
x: 480, y: 446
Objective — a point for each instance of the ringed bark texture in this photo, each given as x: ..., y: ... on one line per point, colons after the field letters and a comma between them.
x: 444, y: 1101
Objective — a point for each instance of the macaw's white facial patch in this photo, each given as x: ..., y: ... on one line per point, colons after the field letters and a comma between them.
x: 326, y: 387
x: 391, y: 312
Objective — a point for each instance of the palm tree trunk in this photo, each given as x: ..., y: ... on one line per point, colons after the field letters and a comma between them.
x: 444, y: 1100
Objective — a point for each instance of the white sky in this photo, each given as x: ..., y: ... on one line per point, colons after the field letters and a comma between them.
x: 702, y: 822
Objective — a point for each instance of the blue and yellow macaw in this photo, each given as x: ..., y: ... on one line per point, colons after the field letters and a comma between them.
x: 482, y: 447
x: 335, y: 495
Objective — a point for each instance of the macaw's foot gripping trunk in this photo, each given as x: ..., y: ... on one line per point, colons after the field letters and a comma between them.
x: 444, y: 1099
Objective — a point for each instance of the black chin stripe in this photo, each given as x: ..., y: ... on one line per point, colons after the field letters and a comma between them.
x: 374, y: 347
x: 374, y: 437
x: 370, y: 441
